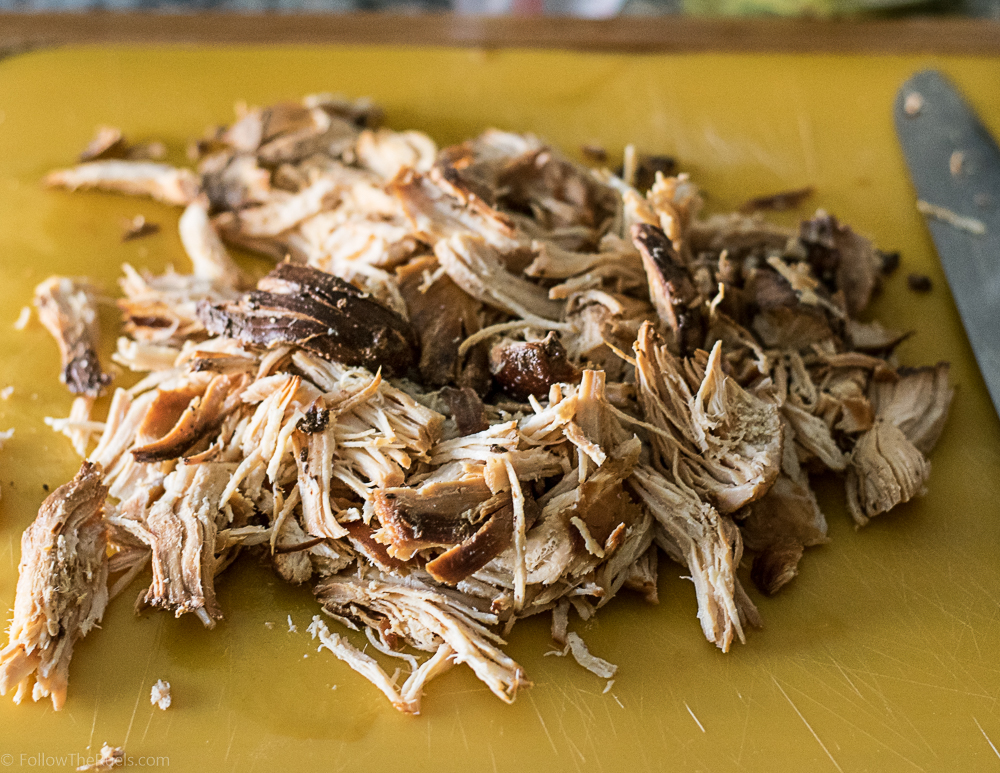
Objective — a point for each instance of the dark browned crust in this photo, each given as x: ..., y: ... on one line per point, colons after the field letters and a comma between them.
x: 202, y: 415
x: 443, y: 316
x: 477, y: 550
x: 467, y: 409
x: 523, y: 369
x: 108, y: 142
x: 647, y: 167
x: 320, y: 313
x: 361, y: 538
x: 416, y: 527
x: 316, y: 419
x: 139, y: 228
x: 670, y: 287
x: 82, y: 374
x: 837, y: 260
x: 776, y: 566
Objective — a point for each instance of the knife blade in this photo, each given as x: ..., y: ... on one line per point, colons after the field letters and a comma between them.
x: 955, y: 166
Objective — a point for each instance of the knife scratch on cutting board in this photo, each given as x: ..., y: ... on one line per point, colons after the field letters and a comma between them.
x: 808, y: 726
x: 541, y: 721
x: 988, y: 740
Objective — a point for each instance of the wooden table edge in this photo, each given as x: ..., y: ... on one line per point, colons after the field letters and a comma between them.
x: 19, y: 32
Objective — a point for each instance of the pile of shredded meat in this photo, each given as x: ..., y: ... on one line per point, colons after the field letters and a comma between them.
x: 481, y: 383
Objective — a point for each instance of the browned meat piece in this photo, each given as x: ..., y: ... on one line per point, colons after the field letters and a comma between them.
x: 917, y: 403
x: 495, y: 521
x: 477, y: 531
x: 843, y: 260
x: 135, y: 178
x: 517, y: 173
x: 259, y: 125
x: 467, y: 409
x: 782, y: 523
x: 724, y: 441
x: 417, y: 523
x: 327, y: 134
x: 138, y: 227
x: 886, y: 469
x: 557, y: 192
x: 781, y: 321
x: 648, y: 166
x: 320, y: 313
x: 776, y: 566
x: 777, y: 202
x: 163, y: 309
x: 194, y: 415
x: 67, y: 310
x: 530, y: 368
x: 362, y: 537
x: 670, y: 287
x: 109, y: 142
x: 61, y: 588
x: 183, y: 523
x: 361, y: 112
x: 233, y: 181
x: 443, y: 316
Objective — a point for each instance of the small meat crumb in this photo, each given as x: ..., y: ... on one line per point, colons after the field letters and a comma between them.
x: 594, y: 153
x: 6, y: 392
x: 592, y: 663
x: 160, y: 694
x: 23, y: 318
x: 953, y: 219
x: 269, y: 625
x: 913, y: 103
x: 292, y: 628
x: 138, y: 227
x: 919, y: 283
x: 778, y: 202
x: 111, y: 757
x: 955, y: 162
x: 890, y: 261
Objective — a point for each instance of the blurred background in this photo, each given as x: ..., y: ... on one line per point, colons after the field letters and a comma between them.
x: 579, y: 8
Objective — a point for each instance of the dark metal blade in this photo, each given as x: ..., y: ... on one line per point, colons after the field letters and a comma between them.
x: 933, y: 126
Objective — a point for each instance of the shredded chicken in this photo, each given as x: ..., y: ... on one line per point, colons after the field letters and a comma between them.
x: 160, y: 696
x: 482, y: 383
x: 69, y: 313
x: 111, y: 757
x: 61, y: 588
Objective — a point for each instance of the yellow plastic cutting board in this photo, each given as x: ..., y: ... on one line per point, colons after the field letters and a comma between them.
x: 880, y: 656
